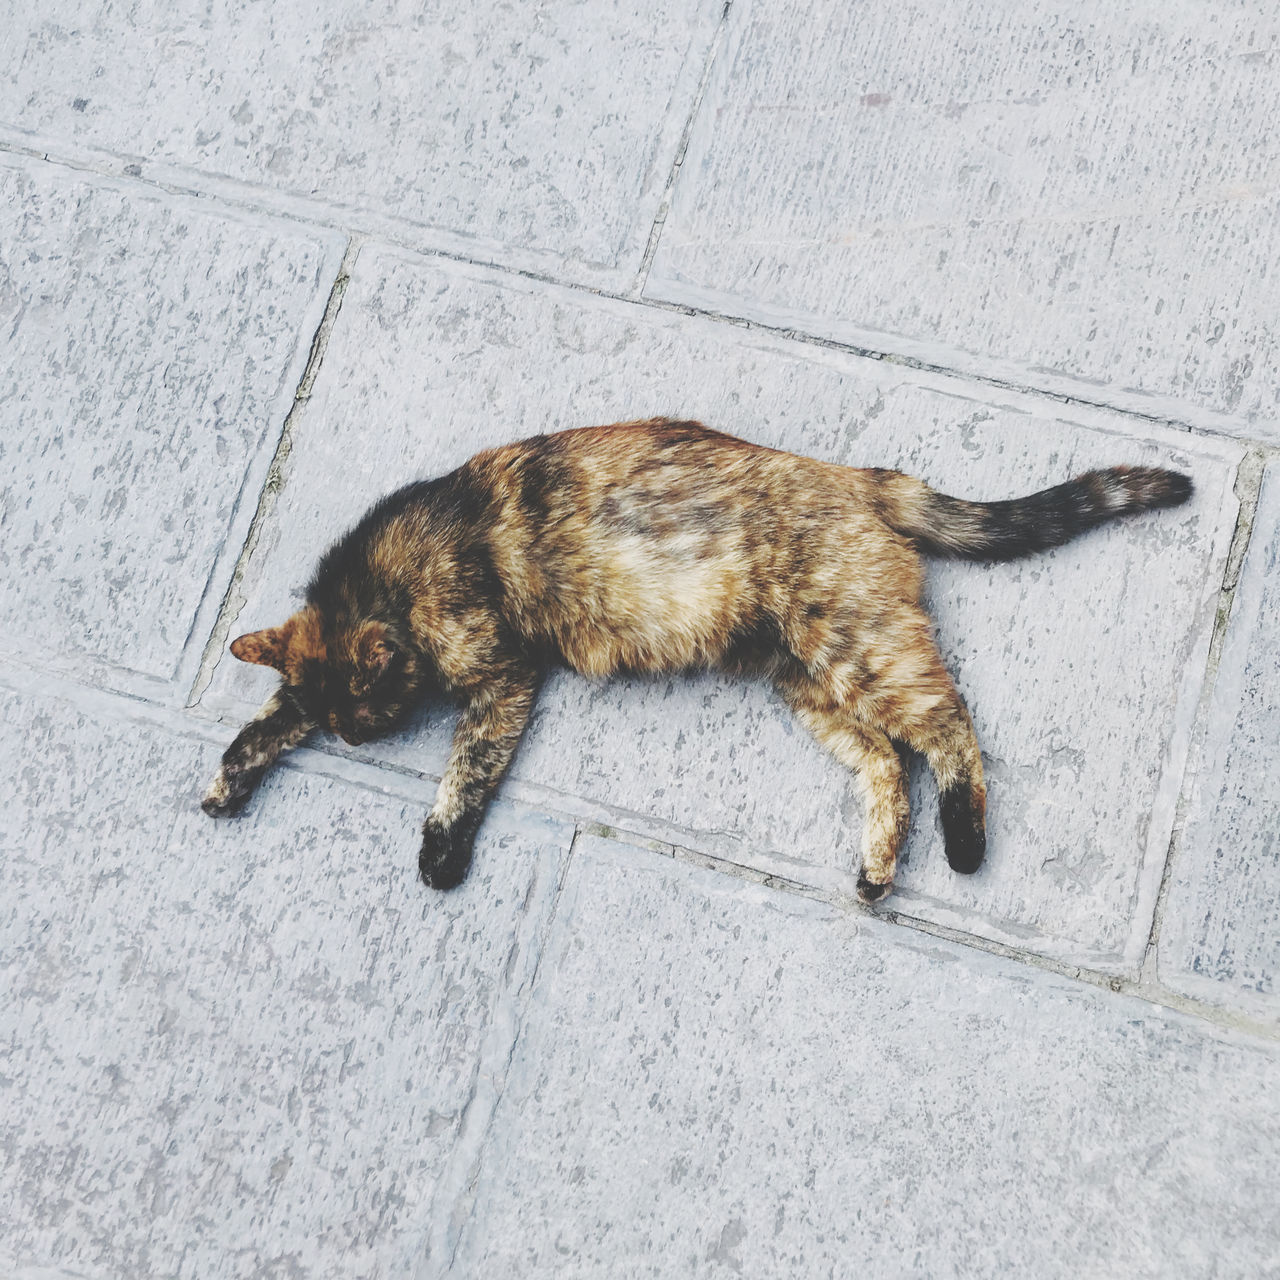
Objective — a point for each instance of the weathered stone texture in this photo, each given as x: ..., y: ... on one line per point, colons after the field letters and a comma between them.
x: 1011, y: 187
x: 151, y: 350
x: 546, y: 130
x: 723, y: 1080
x: 240, y: 1048
x: 1221, y: 932
x: 260, y: 1049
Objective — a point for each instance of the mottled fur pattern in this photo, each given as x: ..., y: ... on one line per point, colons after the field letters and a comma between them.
x: 655, y: 546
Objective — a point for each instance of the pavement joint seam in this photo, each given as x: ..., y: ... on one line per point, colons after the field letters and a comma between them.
x: 1217, y: 425
x: 1231, y: 433
x: 456, y: 1198
x: 1248, y: 486
x: 1144, y: 988
x: 664, y: 206
x: 1141, y: 987
x: 233, y: 599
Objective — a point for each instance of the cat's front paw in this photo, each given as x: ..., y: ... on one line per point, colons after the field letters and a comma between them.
x: 227, y: 794
x: 445, y: 856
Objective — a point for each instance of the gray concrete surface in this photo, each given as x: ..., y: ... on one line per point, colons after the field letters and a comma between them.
x: 152, y: 345
x: 774, y: 1103
x: 259, y: 265
x: 542, y: 135
x: 1070, y: 195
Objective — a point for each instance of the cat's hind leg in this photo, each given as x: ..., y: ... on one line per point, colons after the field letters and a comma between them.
x: 880, y: 775
x: 949, y: 744
x: 278, y: 726
x: 911, y: 697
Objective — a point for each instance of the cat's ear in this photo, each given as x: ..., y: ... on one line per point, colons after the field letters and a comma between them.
x: 374, y: 651
x: 264, y: 648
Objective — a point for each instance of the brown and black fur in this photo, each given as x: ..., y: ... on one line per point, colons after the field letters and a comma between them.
x: 646, y: 547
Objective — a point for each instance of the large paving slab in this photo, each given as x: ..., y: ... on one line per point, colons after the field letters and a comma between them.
x: 1088, y: 196
x: 236, y: 1049
x: 151, y: 350
x: 1082, y: 667
x: 537, y: 134
x: 1220, y: 938
x: 725, y: 1081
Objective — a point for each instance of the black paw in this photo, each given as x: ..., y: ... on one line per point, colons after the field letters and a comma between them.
x: 445, y: 856
x: 870, y: 892
x: 963, y: 829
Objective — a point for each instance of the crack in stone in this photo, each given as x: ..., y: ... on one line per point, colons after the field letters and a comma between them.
x: 233, y: 599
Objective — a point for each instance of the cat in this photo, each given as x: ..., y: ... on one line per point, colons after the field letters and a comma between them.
x: 655, y: 546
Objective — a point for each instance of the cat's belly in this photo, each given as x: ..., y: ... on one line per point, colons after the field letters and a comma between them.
x: 642, y: 612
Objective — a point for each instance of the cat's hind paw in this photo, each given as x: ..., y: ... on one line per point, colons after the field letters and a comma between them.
x: 963, y: 812
x: 870, y: 893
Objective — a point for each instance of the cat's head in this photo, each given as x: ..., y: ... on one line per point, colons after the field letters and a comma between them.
x: 357, y: 680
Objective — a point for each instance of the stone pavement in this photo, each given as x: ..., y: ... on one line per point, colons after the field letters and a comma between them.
x: 260, y: 263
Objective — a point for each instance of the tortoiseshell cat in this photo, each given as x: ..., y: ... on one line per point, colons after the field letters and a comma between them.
x: 655, y: 546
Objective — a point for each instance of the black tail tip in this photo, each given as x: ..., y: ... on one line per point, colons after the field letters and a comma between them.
x: 1155, y: 487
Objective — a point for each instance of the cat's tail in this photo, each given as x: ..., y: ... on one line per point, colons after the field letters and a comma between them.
x: 945, y: 526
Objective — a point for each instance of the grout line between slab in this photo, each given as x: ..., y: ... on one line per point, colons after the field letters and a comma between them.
x: 1248, y: 486
x: 1144, y: 988
x: 1147, y: 989
x: 233, y: 599
x: 361, y: 226
x: 455, y: 1196
x: 664, y: 206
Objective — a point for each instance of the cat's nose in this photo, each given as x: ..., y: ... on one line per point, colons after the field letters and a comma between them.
x: 349, y: 736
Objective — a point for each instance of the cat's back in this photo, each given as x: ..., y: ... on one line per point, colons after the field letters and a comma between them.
x: 660, y: 471
x: 645, y: 544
